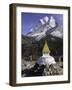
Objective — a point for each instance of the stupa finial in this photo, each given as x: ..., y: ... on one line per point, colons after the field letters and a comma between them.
x: 45, y: 48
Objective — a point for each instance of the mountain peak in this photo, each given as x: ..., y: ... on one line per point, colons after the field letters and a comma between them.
x: 46, y: 25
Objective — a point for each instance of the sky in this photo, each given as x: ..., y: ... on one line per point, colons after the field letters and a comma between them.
x: 29, y: 20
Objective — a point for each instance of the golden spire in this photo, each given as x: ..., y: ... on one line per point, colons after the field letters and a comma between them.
x: 45, y: 48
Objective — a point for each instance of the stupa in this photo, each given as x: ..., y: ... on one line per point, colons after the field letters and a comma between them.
x: 46, y: 58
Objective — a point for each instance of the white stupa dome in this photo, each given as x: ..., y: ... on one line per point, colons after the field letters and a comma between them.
x: 46, y: 59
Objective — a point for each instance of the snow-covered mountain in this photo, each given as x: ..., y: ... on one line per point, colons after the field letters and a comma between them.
x: 58, y: 32
x: 46, y: 25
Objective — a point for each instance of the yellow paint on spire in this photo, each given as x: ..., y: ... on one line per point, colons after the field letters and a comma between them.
x: 46, y: 48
